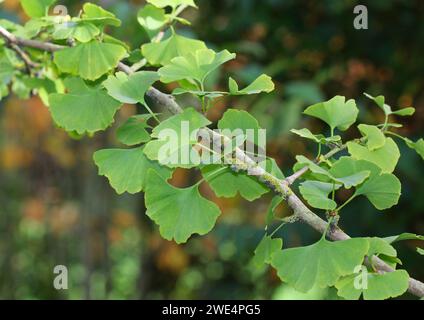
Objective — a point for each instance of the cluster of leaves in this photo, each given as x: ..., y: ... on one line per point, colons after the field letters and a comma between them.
x: 83, y: 93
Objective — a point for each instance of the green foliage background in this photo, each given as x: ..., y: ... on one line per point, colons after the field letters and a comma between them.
x: 54, y: 209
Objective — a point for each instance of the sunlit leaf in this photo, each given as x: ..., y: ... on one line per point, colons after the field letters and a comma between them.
x: 152, y: 19
x: 89, y: 60
x: 36, y: 8
x: 80, y: 31
x: 179, y: 213
x: 417, y: 146
x: 337, y: 112
x: 375, y: 137
x: 97, y: 15
x: 83, y: 109
x: 262, y: 84
x: 175, y: 46
x: 385, y: 157
x: 172, y: 3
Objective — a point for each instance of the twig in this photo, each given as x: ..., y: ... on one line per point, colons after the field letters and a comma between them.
x: 301, y: 211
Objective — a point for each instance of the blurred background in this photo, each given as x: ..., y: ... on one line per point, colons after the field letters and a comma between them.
x: 55, y: 209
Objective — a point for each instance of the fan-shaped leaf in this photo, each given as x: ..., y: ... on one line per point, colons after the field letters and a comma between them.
x: 78, y: 30
x: 316, y: 194
x: 262, y: 84
x: 375, y: 137
x: 133, y: 131
x: 172, y: 3
x: 83, y: 109
x: 266, y: 249
x: 178, y: 212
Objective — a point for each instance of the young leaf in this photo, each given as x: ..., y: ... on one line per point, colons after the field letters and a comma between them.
x: 152, y: 19
x: 350, y: 173
x: 375, y: 137
x: 178, y: 212
x: 195, y: 66
x: 36, y: 8
x: 380, y: 101
x: 316, y: 194
x: 89, y: 60
x: 130, y: 89
x: 227, y: 183
x: 385, y: 157
x: 78, y: 30
x: 133, y: 131
x: 420, y: 251
x: 322, y: 263
x: 405, y: 112
x: 83, y: 109
x: 97, y: 15
x: 337, y: 113
x: 262, y: 84
x: 378, y: 286
x: 174, y: 144
x: 126, y: 169
x: 417, y: 146
x: 265, y: 250
x: 175, y: 46
x: 240, y: 122
x: 172, y: 3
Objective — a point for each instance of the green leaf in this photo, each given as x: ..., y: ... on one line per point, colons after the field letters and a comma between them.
x: 346, y: 171
x: 382, y: 191
x: 379, y: 286
x: 172, y: 3
x: 420, y: 251
x: 133, y: 131
x: 380, y: 246
x: 227, y: 183
x: 130, y: 89
x: 275, y: 202
x: 417, y: 146
x: 380, y: 101
x: 36, y: 8
x: 316, y: 194
x: 403, y: 237
x: 83, y: 109
x: 337, y: 113
x: 385, y: 157
x: 179, y: 213
x: 152, y: 19
x: 405, y: 112
x: 80, y: 31
x: 126, y: 169
x: 262, y: 84
x: 195, y: 66
x: 318, y: 138
x: 239, y: 122
x: 97, y: 15
x: 375, y: 137
x: 89, y: 60
x: 174, y: 144
x: 175, y: 46
x: 265, y: 250
x: 322, y: 263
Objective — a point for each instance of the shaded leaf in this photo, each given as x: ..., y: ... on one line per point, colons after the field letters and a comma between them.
x: 265, y: 250
x: 80, y: 31
x: 133, y: 131
x: 316, y: 194
x: 403, y: 237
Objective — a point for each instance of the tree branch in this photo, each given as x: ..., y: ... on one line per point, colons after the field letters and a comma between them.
x: 281, y: 187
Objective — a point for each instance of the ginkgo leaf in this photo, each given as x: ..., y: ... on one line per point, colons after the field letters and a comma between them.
x: 266, y: 249
x: 321, y: 264
x: 403, y: 237
x: 97, y: 15
x: 337, y: 112
x: 373, y: 286
x: 89, y: 60
x: 318, y: 138
x: 275, y: 202
x: 175, y: 46
x: 152, y: 19
x: 417, y: 146
x: 404, y: 112
x: 385, y: 157
x: 36, y: 8
x: 227, y: 183
x: 195, y: 66
x: 80, y: 31
x: 346, y: 171
x: 179, y: 213
x: 420, y: 251
x: 316, y: 194
x: 130, y: 89
x: 175, y: 139
x: 380, y: 101
x: 126, y: 169
x: 172, y: 3
x: 84, y: 108
x: 262, y: 84
x: 133, y: 131
x: 380, y: 246
x: 375, y: 137
x: 382, y: 191
x: 239, y: 122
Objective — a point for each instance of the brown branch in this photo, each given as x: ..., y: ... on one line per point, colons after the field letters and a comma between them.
x: 301, y: 211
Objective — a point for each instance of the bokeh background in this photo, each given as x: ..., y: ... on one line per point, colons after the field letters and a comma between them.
x: 55, y: 209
